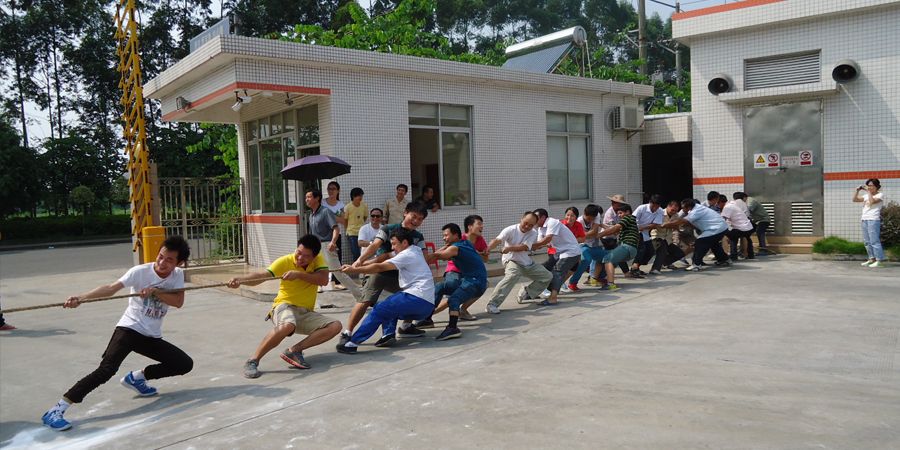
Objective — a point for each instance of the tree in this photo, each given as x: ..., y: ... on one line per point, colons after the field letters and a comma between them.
x: 82, y: 197
x: 20, y: 173
x: 69, y: 162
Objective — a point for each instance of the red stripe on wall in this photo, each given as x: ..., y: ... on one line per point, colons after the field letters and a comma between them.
x: 721, y: 8
x: 862, y: 176
x: 719, y: 180
x: 277, y: 220
x: 246, y: 85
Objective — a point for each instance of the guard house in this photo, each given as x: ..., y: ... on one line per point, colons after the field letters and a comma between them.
x: 493, y: 141
x: 796, y: 103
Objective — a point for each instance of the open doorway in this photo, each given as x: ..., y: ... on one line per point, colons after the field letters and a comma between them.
x: 424, y: 160
x: 667, y: 170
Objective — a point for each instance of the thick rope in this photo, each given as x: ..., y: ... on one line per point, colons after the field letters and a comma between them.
x: 114, y: 297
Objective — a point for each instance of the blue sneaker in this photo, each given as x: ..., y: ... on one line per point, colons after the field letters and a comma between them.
x: 54, y: 420
x: 139, y: 386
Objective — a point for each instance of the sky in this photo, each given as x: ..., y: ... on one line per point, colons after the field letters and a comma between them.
x: 40, y: 128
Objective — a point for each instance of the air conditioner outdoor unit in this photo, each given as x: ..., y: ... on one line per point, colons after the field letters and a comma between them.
x: 627, y: 118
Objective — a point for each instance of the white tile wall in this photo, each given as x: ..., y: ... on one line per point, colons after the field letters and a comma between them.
x: 669, y: 128
x: 860, y: 126
x: 364, y: 121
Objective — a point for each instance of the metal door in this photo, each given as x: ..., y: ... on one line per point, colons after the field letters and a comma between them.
x: 793, y: 186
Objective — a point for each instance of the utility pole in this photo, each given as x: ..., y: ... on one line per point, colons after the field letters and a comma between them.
x: 678, y: 54
x: 642, y: 36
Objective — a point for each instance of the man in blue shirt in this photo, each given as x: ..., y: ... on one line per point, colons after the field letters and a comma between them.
x: 471, y: 283
x: 712, y: 229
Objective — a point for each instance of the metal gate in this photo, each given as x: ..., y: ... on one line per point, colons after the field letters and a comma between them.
x: 206, y: 212
x: 783, y: 165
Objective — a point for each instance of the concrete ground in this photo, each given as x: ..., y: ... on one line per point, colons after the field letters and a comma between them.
x: 780, y: 352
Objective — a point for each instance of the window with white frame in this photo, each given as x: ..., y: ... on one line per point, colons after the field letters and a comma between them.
x: 440, y: 150
x: 275, y: 142
x: 568, y: 156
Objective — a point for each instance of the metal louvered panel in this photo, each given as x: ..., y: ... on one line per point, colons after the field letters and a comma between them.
x: 802, y: 218
x: 784, y: 70
x: 770, y: 211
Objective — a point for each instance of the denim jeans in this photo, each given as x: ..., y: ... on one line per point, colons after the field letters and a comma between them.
x: 354, y: 246
x: 871, y: 231
x: 460, y: 289
x: 589, y: 256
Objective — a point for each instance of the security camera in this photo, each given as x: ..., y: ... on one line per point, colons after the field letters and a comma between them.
x: 719, y: 84
x: 237, y: 106
x: 845, y: 71
x: 182, y: 103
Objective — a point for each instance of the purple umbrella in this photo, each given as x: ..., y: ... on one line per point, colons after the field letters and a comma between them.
x: 315, y: 167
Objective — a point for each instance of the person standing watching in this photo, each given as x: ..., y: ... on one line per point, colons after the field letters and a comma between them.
x: 872, y: 201
x: 395, y: 208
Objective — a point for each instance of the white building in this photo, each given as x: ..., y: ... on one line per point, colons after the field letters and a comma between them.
x: 827, y: 137
x: 484, y: 136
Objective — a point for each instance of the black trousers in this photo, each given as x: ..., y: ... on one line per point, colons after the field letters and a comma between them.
x: 736, y: 235
x: 172, y: 361
x: 703, y: 245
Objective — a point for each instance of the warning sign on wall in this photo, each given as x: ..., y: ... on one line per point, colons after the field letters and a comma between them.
x: 806, y: 158
x: 773, y: 160
x: 759, y: 160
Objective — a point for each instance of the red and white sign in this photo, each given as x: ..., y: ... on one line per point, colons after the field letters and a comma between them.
x: 773, y: 159
x: 806, y: 158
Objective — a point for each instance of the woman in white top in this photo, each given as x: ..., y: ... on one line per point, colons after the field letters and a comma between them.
x: 334, y: 204
x: 872, y: 202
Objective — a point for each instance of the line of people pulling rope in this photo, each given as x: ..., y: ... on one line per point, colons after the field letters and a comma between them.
x: 395, y: 262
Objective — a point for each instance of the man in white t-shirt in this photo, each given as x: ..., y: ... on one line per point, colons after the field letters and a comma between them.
x: 739, y: 226
x: 139, y: 330
x: 368, y: 231
x: 568, y: 251
x: 648, y: 216
x: 414, y: 301
x: 517, y: 241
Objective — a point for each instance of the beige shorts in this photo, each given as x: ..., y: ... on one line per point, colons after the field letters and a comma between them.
x: 304, y: 320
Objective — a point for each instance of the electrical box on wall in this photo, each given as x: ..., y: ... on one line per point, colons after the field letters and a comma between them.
x: 627, y: 118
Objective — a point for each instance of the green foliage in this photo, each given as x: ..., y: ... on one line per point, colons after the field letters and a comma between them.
x: 20, y: 173
x: 51, y: 228
x: 220, y: 140
x: 398, y: 31
x: 834, y: 244
x: 890, y: 225
x: 82, y: 197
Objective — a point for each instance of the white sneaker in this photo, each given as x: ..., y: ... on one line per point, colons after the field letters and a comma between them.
x: 565, y: 289
x: 655, y: 272
x: 693, y: 268
x: 876, y: 264
x: 545, y: 294
x: 867, y: 262
x: 491, y: 309
x: 523, y: 296
x: 709, y: 257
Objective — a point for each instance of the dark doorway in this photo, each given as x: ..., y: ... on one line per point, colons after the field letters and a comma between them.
x: 667, y: 170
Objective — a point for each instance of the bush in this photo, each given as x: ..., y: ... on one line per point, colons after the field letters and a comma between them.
x: 834, y: 244
x: 890, y: 225
x: 45, y: 228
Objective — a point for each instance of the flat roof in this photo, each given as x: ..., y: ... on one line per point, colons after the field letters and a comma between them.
x: 749, y: 14
x: 223, y: 50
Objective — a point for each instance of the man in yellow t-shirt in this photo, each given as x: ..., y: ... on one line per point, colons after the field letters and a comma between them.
x: 293, y: 309
x: 355, y: 213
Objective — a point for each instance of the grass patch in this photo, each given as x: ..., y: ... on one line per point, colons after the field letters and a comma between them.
x: 834, y: 244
